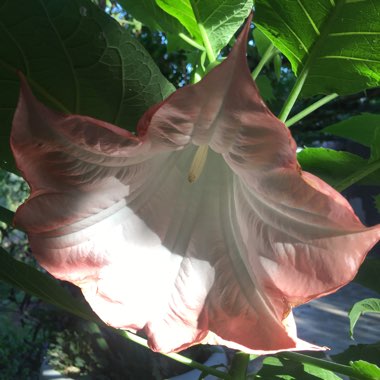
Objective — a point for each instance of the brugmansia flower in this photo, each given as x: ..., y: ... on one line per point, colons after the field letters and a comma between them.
x: 200, y: 228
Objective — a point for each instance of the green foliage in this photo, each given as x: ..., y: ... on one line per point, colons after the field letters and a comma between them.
x: 151, y: 15
x: 369, y: 352
x: 366, y: 370
x: 368, y: 274
x: 13, y: 191
x: 336, y: 42
x: 277, y: 63
x: 215, y: 21
x: 20, y: 355
x: 369, y: 305
x: 220, y: 19
x: 262, y: 42
x: 265, y: 86
x: 184, y: 13
x: 279, y: 368
x: 320, y: 373
x: 21, y: 336
x: 360, y: 128
x: 342, y: 169
x: 334, y: 166
x: 103, y: 71
x: 71, y: 353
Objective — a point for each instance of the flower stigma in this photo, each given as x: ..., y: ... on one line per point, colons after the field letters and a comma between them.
x: 198, y: 163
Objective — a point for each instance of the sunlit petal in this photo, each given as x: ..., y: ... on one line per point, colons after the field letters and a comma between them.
x: 220, y: 260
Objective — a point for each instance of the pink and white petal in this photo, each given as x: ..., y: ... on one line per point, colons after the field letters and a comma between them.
x: 138, y: 255
x: 223, y: 259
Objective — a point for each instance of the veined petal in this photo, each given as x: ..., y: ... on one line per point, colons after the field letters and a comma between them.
x: 222, y: 260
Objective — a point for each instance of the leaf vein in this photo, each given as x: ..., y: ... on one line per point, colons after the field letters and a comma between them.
x: 338, y: 34
x: 294, y: 34
x: 213, y: 12
x: 343, y: 57
x: 309, y: 17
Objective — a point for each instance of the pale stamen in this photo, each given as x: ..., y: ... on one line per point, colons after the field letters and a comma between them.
x: 198, y: 163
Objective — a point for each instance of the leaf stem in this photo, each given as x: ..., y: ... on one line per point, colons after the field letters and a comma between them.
x: 206, y: 42
x: 239, y: 366
x: 177, y: 357
x: 308, y: 110
x: 292, y: 98
x: 357, y: 176
x: 321, y: 363
x: 269, y: 53
x: 191, y: 42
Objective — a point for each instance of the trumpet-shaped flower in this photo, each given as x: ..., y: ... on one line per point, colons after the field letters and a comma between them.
x: 202, y: 228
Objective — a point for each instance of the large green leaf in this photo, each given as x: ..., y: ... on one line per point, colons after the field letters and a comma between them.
x: 219, y: 18
x: 369, y: 305
x: 78, y: 60
x: 336, y: 41
x: 360, y: 128
x: 335, y: 166
x: 41, y: 285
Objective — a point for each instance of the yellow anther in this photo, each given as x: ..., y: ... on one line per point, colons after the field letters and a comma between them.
x: 198, y: 163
